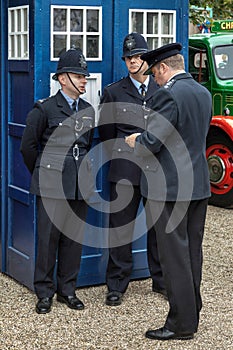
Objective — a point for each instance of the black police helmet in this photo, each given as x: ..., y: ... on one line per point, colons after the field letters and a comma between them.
x: 71, y: 61
x: 134, y: 44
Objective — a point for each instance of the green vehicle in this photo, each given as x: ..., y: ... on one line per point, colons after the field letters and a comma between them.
x: 211, y: 64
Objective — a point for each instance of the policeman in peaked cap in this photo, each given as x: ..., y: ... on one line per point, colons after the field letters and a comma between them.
x: 155, y: 56
x: 123, y: 110
x: 56, y: 140
x: 178, y: 188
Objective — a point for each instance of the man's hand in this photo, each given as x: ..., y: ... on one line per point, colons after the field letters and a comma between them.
x: 130, y: 140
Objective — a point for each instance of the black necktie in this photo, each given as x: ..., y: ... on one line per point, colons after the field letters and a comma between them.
x: 143, y: 90
x: 74, y: 106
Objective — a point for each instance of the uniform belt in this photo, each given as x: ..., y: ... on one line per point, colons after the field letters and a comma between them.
x: 74, y: 151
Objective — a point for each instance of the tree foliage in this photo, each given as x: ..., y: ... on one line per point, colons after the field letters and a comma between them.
x: 221, y: 10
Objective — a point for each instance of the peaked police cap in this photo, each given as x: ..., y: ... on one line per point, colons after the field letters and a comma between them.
x: 134, y: 44
x: 155, y: 56
x: 72, y: 61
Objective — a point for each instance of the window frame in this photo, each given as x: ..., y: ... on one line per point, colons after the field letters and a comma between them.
x: 68, y: 33
x: 17, y: 35
x: 158, y: 36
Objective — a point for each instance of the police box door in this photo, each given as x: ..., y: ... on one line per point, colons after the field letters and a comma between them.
x: 37, y: 33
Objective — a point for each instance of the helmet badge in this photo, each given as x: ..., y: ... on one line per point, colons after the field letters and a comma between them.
x: 130, y: 43
x: 82, y: 62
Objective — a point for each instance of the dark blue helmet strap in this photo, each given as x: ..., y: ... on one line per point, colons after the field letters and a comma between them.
x: 74, y: 84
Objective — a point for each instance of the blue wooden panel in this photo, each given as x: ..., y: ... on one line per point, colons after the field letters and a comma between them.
x: 21, y: 94
x: 21, y: 226
x: 18, y: 174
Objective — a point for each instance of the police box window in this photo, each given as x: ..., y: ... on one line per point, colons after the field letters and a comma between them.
x: 157, y: 26
x: 75, y: 26
x: 18, y: 33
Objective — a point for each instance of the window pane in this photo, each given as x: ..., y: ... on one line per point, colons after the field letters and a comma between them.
x: 25, y: 20
x: 152, y: 43
x: 76, y: 41
x: 165, y: 41
x: 92, y: 46
x: 59, y: 42
x: 12, y: 19
x: 92, y: 20
x: 152, y: 23
x: 60, y: 20
x: 12, y: 46
x: 76, y: 20
x: 18, y: 14
x: 137, y: 22
x: 167, y: 23
x: 25, y: 46
x: 18, y: 46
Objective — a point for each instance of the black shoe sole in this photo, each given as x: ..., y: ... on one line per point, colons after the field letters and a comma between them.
x: 42, y: 312
x: 182, y: 337
x: 61, y: 300
x: 113, y: 303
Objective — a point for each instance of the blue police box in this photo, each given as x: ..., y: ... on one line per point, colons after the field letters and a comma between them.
x: 33, y: 33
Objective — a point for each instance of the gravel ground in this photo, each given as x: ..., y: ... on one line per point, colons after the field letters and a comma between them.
x: 122, y: 328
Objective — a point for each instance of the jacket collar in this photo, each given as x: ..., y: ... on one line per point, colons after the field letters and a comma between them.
x: 64, y: 105
x: 131, y: 89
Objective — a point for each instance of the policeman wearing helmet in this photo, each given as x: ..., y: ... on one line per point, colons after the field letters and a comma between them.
x: 56, y: 140
x: 124, y: 107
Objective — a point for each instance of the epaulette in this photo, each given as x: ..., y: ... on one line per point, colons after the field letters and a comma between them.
x: 43, y: 100
x: 115, y: 82
x: 169, y: 84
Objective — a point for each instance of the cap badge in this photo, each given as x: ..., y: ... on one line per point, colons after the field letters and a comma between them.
x: 130, y: 42
x: 82, y: 62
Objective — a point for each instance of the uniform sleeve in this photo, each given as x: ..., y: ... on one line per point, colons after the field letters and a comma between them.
x: 160, y: 124
x: 106, y: 124
x: 91, y: 132
x: 35, y: 126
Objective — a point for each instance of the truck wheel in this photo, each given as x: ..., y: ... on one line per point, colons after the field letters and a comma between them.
x: 219, y: 154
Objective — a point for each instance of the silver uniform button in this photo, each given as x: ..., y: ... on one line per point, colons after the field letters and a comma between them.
x: 119, y: 149
x: 48, y: 166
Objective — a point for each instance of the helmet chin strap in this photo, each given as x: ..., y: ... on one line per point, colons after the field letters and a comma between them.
x: 75, y: 85
x: 139, y: 68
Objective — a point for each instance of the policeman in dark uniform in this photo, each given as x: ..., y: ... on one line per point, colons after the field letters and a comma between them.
x: 123, y: 110
x: 55, y: 143
x: 176, y: 172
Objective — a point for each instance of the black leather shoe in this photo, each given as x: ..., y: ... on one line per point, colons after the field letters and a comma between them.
x: 160, y: 291
x: 71, y: 301
x: 114, y: 298
x: 43, y: 305
x: 164, y: 334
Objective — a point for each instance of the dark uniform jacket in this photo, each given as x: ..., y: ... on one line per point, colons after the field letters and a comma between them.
x: 53, y: 146
x: 123, y: 111
x: 174, y: 161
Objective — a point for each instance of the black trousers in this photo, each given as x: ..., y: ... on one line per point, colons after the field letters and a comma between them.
x: 180, y: 252
x: 53, y: 243
x: 120, y: 261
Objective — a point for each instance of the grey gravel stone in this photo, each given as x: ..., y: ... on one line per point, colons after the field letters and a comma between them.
x: 123, y: 327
